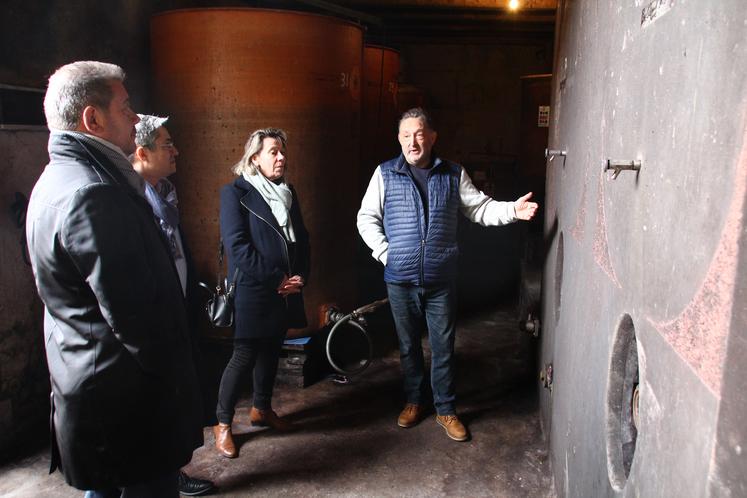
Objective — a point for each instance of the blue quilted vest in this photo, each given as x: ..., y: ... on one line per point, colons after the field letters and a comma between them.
x: 421, y: 253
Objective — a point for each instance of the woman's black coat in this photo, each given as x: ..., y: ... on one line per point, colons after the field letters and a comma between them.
x: 254, y: 243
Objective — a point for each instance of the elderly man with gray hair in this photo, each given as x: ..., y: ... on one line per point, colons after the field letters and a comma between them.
x: 126, y: 407
x: 408, y: 217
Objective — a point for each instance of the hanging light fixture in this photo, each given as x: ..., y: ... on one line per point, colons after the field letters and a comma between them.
x: 513, y: 4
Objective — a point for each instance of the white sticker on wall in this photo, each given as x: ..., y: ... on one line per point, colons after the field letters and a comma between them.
x: 543, y: 116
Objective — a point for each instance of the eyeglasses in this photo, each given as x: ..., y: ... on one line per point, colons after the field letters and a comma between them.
x: 168, y: 146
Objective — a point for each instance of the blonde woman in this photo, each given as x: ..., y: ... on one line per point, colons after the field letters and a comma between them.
x: 268, y: 252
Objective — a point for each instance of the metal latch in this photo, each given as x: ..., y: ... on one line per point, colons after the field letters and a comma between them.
x: 545, y: 377
x: 552, y: 153
x: 622, y: 165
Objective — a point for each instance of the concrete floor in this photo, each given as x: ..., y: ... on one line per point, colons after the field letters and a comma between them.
x: 349, y: 444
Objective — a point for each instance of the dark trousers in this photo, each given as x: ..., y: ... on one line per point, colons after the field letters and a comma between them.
x: 414, y: 309
x: 255, y: 357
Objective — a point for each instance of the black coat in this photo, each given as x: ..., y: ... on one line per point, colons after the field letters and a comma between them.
x: 195, y: 303
x: 254, y: 243
x: 125, y: 399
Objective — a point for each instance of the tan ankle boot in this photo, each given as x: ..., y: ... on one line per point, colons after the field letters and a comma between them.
x: 224, y: 440
x: 263, y: 418
x: 454, y: 428
x: 410, y: 415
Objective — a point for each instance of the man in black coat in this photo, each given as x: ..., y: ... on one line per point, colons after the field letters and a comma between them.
x: 155, y: 159
x: 126, y: 407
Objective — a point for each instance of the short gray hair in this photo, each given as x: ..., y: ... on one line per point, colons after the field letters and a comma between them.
x: 419, y: 113
x: 254, y: 146
x: 75, y: 86
x: 146, y: 131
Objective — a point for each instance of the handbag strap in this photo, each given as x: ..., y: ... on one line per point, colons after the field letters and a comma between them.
x: 230, y: 290
x: 229, y: 287
x: 219, y: 273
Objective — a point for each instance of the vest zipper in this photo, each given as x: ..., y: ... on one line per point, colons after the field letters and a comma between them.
x: 422, y: 262
x: 423, y: 234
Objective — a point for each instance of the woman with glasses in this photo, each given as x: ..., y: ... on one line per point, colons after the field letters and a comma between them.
x: 268, y: 253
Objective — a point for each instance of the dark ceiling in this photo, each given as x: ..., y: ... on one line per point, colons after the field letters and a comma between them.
x: 397, y: 21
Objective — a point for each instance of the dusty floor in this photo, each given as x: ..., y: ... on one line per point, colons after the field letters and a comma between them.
x: 349, y: 444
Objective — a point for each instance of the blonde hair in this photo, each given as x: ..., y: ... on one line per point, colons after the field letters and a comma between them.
x: 254, y: 146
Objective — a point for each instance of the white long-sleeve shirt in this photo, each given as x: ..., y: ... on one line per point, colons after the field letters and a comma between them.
x: 473, y: 204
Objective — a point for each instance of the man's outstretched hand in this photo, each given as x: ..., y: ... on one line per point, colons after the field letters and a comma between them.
x: 525, y: 210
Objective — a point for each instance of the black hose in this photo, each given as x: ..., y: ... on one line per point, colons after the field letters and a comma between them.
x: 364, y: 364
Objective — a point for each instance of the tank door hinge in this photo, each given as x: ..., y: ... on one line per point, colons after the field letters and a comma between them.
x: 545, y: 376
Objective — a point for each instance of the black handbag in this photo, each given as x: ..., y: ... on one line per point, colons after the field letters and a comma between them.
x: 219, y: 306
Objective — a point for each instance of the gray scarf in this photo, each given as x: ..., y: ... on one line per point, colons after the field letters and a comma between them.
x: 279, y: 198
x: 162, y: 198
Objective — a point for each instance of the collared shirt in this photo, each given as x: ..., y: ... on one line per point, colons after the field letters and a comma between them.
x: 114, y: 154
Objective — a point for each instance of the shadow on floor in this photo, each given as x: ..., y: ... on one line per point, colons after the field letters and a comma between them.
x: 348, y: 442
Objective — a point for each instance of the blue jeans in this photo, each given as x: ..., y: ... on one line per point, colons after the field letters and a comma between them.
x: 166, y: 486
x: 414, y: 309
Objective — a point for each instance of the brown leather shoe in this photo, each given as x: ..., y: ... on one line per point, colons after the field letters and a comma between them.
x: 268, y: 418
x: 410, y: 415
x: 454, y: 428
x: 224, y: 440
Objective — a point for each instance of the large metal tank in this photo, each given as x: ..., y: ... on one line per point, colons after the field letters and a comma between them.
x: 378, y: 108
x: 222, y: 73
x: 645, y: 284
x: 379, y: 143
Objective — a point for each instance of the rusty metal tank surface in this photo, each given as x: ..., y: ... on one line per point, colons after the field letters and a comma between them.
x: 378, y: 108
x: 222, y: 73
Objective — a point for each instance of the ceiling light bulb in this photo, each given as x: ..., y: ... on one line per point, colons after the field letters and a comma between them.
x: 513, y: 4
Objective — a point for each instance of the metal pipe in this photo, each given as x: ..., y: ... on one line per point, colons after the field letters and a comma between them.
x: 355, y: 319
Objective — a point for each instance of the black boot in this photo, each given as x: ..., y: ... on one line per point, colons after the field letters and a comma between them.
x: 189, y: 486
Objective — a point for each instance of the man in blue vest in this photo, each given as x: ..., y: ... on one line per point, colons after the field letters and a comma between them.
x: 408, y: 217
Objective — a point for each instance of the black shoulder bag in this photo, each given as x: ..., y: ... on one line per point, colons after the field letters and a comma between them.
x: 219, y: 306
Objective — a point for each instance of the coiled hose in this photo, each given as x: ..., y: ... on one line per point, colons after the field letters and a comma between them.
x: 357, y: 321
